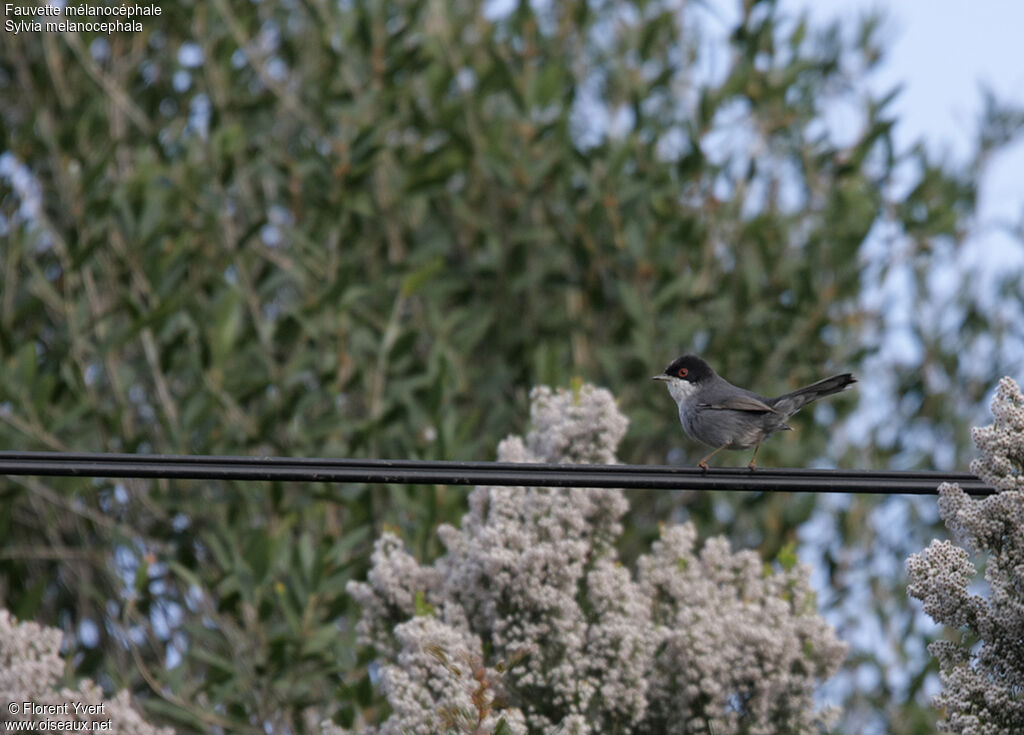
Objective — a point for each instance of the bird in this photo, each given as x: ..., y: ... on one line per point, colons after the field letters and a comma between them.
x: 721, y: 415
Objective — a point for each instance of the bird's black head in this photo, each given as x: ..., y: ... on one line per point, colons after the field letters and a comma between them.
x: 689, y: 368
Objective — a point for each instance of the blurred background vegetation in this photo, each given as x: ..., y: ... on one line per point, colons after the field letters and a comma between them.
x: 315, y: 228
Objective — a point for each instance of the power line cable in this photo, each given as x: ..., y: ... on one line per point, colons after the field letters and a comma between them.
x: 431, y: 472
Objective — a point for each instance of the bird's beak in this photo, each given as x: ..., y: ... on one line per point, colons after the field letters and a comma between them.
x: 660, y: 376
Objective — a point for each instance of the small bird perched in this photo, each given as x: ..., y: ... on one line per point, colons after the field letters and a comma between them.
x: 717, y: 413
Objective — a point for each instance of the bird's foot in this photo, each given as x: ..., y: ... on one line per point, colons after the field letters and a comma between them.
x: 753, y: 459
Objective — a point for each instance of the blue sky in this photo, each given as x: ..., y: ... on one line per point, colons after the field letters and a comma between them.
x: 942, y: 51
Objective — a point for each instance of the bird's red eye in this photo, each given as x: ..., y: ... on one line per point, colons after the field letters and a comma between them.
x: 683, y: 372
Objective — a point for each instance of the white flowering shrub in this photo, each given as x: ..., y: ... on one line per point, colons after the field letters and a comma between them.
x: 529, y: 624
x: 738, y: 650
x: 31, y: 669
x: 982, y: 670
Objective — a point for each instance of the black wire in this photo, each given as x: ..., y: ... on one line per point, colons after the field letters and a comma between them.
x: 425, y: 472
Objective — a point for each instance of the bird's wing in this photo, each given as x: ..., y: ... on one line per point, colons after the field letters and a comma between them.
x: 740, y: 403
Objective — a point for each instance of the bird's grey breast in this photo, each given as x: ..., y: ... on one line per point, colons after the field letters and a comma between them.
x: 726, y: 427
x: 711, y: 419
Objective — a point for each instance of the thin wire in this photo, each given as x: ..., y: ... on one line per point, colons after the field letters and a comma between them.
x: 428, y: 472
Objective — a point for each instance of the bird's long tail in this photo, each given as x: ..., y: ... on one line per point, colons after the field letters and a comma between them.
x: 789, y: 403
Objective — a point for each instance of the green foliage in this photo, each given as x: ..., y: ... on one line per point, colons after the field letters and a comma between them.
x: 367, y: 229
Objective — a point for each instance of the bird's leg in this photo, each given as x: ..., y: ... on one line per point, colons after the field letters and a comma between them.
x: 753, y: 462
x: 703, y: 464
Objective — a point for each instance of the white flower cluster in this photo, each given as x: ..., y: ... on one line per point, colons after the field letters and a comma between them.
x: 739, y: 649
x: 982, y: 670
x: 529, y: 619
x: 579, y: 427
x: 30, y: 671
x: 1002, y: 443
